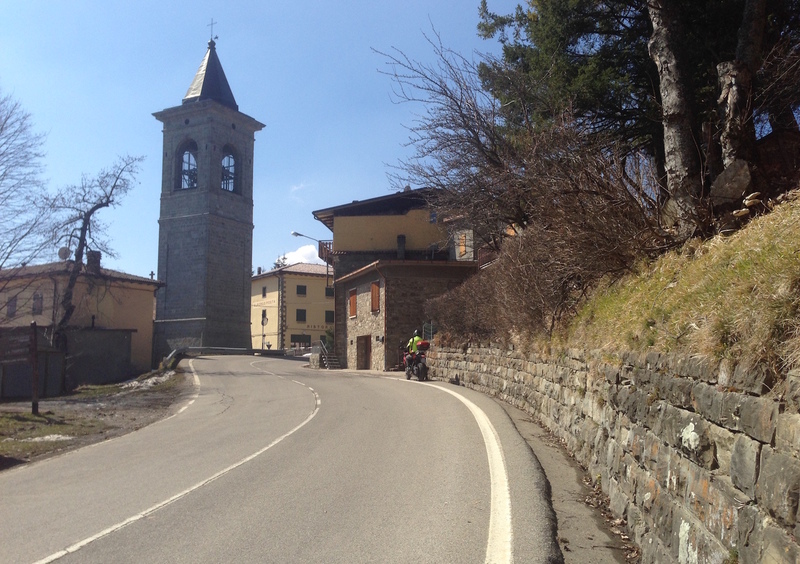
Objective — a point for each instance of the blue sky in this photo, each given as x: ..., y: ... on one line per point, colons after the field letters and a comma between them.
x: 92, y: 73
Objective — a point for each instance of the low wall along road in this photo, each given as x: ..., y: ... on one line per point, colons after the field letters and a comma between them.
x: 702, y: 460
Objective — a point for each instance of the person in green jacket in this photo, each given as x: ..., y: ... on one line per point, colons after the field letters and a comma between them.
x: 411, y: 349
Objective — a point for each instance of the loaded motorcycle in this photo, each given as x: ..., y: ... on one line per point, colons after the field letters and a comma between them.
x: 417, y: 363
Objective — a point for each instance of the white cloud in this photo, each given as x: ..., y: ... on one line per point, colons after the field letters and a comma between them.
x: 306, y: 253
x: 296, y: 193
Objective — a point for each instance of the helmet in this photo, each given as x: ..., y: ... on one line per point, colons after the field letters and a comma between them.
x: 416, y: 332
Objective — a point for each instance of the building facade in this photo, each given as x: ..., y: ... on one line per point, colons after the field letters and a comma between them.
x: 291, y: 307
x: 105, y: 301
x: 384, y: 303
x: 389, y: 255
x: 206, y: 217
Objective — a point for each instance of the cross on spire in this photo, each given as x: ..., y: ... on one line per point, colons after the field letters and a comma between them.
x: 211, y: 25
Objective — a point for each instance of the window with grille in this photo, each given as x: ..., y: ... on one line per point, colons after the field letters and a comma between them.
x: 228, y: 171
x: 462, y: 244
x: 188, y: 166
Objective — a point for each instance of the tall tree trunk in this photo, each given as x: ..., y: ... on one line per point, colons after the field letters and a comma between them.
x: 681, y: 159
x: 738, y: 134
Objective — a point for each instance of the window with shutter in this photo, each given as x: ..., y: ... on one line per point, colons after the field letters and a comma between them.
x: 352, y: 296
x: 375, y: 290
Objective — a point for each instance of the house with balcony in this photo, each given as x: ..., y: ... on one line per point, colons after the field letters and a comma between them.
x: 388, y: 254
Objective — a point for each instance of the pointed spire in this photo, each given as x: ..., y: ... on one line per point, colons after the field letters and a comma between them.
x: 210, y: 83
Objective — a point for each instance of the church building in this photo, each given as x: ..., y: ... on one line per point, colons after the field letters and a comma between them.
x: 205, y: 242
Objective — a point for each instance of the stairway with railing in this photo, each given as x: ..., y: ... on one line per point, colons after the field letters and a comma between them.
x: 328, y: 360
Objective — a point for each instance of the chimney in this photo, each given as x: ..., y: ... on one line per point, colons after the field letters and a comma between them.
x: 259, y: 270
x: 401, y: 247
x: 93, y: 262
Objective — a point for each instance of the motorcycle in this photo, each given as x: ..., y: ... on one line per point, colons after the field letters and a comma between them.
x: 417, y: 363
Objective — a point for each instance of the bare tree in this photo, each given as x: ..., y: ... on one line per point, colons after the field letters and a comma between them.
x: 78, y: 227
x: 461, y: 145
x: 23, y: 236
x: 574, y: 201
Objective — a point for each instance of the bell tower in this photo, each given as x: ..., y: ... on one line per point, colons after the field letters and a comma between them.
x: 205, y: 241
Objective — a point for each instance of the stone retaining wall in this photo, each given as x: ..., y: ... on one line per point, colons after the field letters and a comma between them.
x: 702, y: 461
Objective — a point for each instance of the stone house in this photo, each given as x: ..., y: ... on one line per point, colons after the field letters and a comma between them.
x: 292, y: 306
x: 389, y: 254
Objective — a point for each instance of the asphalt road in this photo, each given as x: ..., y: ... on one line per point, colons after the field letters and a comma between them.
x: 273, y: 462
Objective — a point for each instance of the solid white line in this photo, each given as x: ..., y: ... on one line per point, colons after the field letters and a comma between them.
x: 196, y: 380
x: 78, y: 545
x: 498, y: 546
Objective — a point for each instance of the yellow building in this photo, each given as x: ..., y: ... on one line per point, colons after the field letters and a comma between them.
x: 291, y: 306
x: 105, y: 301
x: 389, y: 255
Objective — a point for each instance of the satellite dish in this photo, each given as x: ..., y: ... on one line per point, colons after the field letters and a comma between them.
x: 64, y: 253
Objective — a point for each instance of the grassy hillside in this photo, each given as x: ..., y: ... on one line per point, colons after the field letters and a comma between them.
x: 728, y: 297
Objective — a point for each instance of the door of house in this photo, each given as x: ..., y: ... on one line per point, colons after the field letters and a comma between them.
x: 364, y: 352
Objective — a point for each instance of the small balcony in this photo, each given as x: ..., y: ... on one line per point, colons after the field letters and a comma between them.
x: 325, y: 251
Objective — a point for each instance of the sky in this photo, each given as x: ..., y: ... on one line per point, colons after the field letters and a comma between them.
x: 91, y: 74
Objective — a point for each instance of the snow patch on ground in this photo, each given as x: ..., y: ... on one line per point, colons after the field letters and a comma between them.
x: 46, y: 438
x: 148, y: 382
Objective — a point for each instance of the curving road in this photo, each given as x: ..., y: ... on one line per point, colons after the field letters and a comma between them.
x: 273, y: 462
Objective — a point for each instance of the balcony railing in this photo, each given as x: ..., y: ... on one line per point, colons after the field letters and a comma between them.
x: 325, y: 251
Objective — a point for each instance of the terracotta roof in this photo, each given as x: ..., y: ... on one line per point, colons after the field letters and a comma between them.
x: 51, y: 268
x: 299, y: 268
x: 210, y: 83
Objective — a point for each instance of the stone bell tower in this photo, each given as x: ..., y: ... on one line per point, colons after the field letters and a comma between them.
x: 205, y: 241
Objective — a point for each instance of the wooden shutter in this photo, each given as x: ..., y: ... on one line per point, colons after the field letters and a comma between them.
x: 375, y: 290
x: 353, y: 302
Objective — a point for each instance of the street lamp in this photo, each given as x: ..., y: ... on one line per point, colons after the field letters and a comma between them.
x: 319, y: 243
x: 296, y: 234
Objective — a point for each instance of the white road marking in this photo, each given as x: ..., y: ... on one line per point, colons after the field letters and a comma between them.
x: 498, y: 546
x: 196, y: 380
x: 147, y: 512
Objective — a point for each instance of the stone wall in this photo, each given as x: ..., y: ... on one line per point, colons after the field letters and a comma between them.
x: 701, y: 460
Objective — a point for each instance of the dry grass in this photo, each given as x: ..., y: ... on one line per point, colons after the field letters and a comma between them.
x: 92, y: 413
x: 734, y: 297
x: 24, y: 436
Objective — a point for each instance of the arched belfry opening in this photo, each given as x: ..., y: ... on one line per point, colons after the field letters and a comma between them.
x: 186, y: 166
x: 205, y: 242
